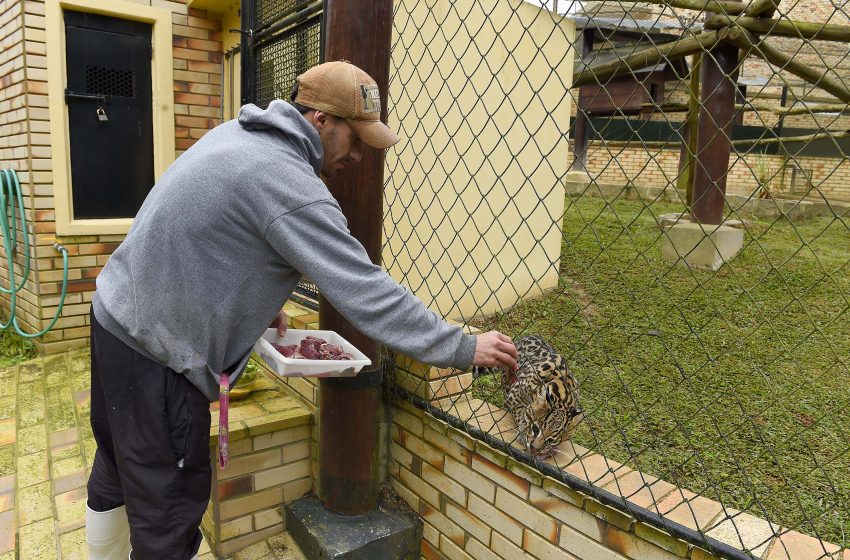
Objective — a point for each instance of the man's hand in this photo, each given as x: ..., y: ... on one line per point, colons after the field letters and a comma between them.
x: 280, y: 323
x: 494, y: 349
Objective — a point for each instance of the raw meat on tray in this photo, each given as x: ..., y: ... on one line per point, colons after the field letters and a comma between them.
x: 313, y: 348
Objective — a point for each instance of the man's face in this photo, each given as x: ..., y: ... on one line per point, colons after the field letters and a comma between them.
x: 341, y: 145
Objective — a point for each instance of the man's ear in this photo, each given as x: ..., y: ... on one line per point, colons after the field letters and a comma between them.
x: 320, y: 119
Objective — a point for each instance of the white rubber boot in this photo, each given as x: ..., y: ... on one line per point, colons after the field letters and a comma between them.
x: 195, y: 557
x: 108, y: 534
x: 130, y: 556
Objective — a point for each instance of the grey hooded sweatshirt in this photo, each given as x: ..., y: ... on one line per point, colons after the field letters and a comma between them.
x: 223, y: 238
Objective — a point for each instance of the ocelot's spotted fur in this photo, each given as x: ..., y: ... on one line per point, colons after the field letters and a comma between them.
x: 542, y: 396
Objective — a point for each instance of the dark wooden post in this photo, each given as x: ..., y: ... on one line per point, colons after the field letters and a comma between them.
x: 718, y: 75
x: 358, y: 31
x: 691, y: 127
x: 582, y: 129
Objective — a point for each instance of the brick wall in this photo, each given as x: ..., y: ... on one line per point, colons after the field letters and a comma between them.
x: 476, y: 503
x: 25, y: 145
x: 269, y: 465
x: 653, y: 167
x: 479, y: 504
x: 307, y: 388
x: 197, y: 73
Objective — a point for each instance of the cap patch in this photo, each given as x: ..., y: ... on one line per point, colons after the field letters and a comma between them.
x: 371, y: 98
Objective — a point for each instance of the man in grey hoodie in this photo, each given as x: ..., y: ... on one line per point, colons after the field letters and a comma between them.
x: 214, y: 252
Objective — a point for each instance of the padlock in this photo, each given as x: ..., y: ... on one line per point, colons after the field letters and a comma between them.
x: 101, y: 115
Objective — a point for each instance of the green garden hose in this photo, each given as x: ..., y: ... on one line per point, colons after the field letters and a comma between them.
x: 10, y: 192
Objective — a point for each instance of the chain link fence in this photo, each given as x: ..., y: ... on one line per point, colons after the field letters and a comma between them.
x: 286, y: 40
x: 564, y: 170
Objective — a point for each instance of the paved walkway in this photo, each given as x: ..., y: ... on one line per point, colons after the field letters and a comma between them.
x: 46, y: 451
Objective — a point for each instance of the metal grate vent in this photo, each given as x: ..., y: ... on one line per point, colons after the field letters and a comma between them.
x: 110, y: 81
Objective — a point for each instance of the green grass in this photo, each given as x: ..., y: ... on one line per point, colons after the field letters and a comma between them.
x: 13, y: 347
x: 734, y: 384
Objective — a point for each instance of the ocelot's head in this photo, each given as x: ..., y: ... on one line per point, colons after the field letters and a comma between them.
x: 551, y: 418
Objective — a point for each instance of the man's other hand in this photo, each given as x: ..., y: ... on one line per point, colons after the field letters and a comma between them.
x: 494, y: 349
x: 280, y: 323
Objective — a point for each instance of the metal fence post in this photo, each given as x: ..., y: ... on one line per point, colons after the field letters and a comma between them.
x: 246, y: 48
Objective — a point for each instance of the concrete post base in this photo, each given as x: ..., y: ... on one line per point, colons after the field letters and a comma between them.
x: 701, y: 245
x: 577, y: 176
x: 381, y: 533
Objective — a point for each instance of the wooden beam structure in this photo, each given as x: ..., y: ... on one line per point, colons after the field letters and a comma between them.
x: 785, y: 28
x: 731, y: 7
x: 731, y: 35
x: 602, y: 72
x: 771, y: 54
x: 762, y: 8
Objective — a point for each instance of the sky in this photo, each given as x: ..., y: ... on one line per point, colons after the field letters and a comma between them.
x: 562, y: 6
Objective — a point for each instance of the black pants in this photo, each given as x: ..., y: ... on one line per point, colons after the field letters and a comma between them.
x: 152, y: 431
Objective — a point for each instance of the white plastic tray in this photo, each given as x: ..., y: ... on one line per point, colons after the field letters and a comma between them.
x: 299, y: 367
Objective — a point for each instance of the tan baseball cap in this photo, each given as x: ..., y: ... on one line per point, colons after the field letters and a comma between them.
x: 342, y: 89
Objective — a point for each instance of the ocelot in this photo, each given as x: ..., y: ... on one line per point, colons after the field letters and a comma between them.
x: 542, y: 396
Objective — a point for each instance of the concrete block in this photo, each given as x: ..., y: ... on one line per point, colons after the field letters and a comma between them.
x: 666, y: 221
x: 578, y: 176
x: 381, y: 533
x: 701, y: 245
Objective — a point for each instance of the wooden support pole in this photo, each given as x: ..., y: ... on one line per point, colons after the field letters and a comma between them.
x: 784, y: 28
x: 601, y: 73
x: 689, y: 146
x: 771, y: 54
x: 358, y: 31
x: 719, y: 76
x: 582, y: 128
